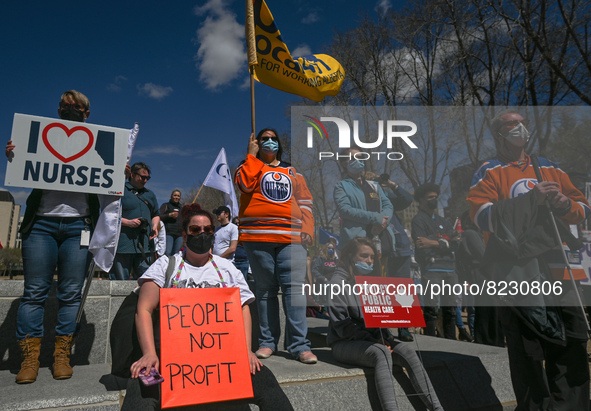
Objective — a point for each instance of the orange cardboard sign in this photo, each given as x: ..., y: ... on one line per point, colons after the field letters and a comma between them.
x: 203, y: 346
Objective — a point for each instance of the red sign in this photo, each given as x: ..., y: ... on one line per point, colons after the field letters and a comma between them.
x: 389, y: 302
x: 203, y: 346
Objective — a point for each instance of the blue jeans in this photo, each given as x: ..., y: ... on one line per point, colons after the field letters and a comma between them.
x: 173, y: 244
x: 273, y: 266
x: 466, y: 301
x: 52, y: 241
x: 243, y: 267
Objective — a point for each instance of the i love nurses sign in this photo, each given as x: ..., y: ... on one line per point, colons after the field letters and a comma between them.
x: 67, y: 156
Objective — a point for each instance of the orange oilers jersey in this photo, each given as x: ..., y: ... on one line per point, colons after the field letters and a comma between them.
x: 275, y: 204
x: 495, y: 181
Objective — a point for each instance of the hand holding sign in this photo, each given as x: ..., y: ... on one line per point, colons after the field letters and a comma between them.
x: 66, y: 156
x: 9, y: 149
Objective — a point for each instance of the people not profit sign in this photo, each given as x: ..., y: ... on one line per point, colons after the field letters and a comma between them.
x: 203, y: 346
x: 389, y: 302
x: 67, y: 156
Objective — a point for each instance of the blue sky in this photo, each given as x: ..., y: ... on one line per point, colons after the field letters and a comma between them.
x: 178, y: 68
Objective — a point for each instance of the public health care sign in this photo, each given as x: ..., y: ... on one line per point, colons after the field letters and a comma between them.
x: 390, y: 302
x: 203, y: 346
x: 67, y: 156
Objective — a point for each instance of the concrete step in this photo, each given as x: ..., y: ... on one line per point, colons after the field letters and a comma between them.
x: 466, y: 376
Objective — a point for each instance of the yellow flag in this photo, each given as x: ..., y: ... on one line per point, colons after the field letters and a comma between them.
x: 314, y: 77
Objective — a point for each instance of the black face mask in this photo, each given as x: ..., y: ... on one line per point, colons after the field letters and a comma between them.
x: 432, y: 204
x: 201, y: 243
x: 69, y: 113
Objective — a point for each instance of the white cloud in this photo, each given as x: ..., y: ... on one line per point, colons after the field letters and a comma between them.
x: 221, y: 55
x: 311, y: 18
x: 154, y: 91
x: 301, y: 50
x: 383, y: 6
x: 245, y: 85
x: 115, y: 86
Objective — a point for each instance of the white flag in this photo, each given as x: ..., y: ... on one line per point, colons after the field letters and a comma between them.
x: 103, y: 244
x: 131, y: 142
x: 220, y: 178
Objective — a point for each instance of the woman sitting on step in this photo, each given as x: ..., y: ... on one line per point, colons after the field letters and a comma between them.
x: 353, y: 343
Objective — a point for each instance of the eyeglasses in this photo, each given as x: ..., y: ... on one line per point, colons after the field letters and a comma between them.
x: 197, y: 229
x: 266, y: 138
x: 145, y: 178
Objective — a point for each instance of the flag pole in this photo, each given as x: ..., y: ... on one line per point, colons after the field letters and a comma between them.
x: 195, y: 199
x: 251, y: 53
x: 251, y: 69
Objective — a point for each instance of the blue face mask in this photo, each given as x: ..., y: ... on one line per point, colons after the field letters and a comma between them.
x: 270, y: 147
x: 355, y: 167
x: 363, y: 268
x: 330, y: 251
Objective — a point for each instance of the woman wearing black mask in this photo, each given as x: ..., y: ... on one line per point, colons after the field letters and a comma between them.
x: 195, y: 267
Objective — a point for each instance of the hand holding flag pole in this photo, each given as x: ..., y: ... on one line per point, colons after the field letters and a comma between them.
x: 539, y: 177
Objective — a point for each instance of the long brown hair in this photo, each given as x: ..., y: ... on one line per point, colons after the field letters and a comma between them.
x: 348, y: 253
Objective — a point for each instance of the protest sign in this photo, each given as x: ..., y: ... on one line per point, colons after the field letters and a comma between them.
x: 390, y: 302
x: 65, y: 155
x: 203, y: 346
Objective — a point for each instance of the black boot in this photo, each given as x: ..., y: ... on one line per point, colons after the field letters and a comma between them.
x: 464, y: 336
x: 431, y: 328
x: 449, y: 329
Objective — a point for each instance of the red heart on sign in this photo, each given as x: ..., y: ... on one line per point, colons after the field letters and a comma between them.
x: 68, y: 133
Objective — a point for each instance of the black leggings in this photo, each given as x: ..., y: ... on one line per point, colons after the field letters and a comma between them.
x: 268, y: 395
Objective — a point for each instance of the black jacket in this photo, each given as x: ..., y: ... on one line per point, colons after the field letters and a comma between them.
x: 434, y: 228
x: 173, y: 226
x: 522, y: 236
x: 346, y: 315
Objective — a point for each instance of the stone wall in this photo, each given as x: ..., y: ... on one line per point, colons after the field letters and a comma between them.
x: 92, y: 345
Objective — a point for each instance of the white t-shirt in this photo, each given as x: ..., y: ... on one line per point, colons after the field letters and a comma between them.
x: 199, y: 277
x: 224, y: 235
x: 63, y: 204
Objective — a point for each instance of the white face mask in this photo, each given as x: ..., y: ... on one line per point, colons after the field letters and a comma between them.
x: 518, y: 136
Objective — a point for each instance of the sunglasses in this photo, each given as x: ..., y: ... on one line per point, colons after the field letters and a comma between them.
x: 145, y: 178
x: 197, y: 229
x: 263, y: 139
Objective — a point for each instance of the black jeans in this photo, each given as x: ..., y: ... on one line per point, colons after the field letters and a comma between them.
x: 268, y: 395
x: 446, y: 300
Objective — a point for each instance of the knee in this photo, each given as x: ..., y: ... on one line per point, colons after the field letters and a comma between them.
x: 379, y: 353
x: 405, y: 351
